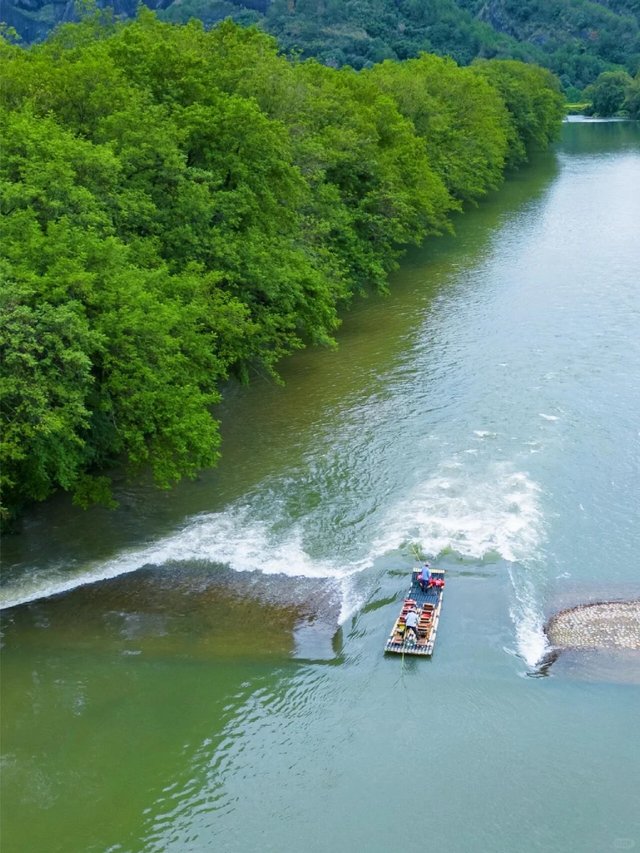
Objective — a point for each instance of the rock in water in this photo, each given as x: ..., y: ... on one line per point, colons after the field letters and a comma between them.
x: 604, y: 625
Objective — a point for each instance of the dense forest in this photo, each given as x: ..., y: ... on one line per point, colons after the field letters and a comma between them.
x: 181, y: 206
x: 577, y: 39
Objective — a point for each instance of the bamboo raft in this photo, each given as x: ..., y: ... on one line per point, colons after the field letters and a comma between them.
x: 428, y: 602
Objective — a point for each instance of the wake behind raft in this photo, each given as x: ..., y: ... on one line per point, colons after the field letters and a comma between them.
x: 414, y: 631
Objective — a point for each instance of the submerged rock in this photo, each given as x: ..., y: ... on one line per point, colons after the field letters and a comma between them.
x: 603, y: 625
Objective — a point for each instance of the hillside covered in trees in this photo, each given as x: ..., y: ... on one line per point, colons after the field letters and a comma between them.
x: 576, y: 39
x: 181, y: 206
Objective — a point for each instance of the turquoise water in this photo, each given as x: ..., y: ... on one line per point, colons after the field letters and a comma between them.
x: 224, y: 688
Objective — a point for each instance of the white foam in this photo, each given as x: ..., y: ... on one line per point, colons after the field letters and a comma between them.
x: 350, y: 599
x: 497, y: 514
x: 473, y: 513
x: 230, y: 538
x: 527, y: 615
x: 484, y: 433
x: 548, y: 417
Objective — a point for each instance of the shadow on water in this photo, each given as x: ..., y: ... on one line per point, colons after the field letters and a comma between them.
x: 474, y: 229
x: 184, y: 611
x: 610, y: 666
x: 543, y: 668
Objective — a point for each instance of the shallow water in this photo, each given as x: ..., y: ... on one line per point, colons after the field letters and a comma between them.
x: 488, y: 410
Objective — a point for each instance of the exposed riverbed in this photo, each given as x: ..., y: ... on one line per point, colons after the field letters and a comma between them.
x: 605, y: 625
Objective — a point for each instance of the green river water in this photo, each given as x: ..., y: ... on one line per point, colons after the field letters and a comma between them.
x: 223, y: 687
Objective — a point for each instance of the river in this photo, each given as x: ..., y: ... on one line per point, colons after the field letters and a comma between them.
x: 202, y: 669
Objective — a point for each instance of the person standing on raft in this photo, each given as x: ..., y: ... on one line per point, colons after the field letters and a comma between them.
x: 424, y: 578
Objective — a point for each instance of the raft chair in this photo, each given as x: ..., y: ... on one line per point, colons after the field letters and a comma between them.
x: 398, y: 637
x: 400, y: 631
x: 424, y: 623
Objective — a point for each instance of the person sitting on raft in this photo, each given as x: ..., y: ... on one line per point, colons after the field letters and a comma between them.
x: 411, y: 623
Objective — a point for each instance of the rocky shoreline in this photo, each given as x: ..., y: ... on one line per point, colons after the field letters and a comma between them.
x: 600, y: 625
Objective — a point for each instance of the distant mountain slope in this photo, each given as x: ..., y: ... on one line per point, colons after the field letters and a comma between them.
x: 572, y: 35
x: 577, y: 39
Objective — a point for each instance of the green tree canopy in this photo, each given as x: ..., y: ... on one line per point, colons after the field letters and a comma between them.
x: 534, y: 101
x: 180, y: 206
x: 460, y: 118
x: 632, y: 99
x: 609, y: 92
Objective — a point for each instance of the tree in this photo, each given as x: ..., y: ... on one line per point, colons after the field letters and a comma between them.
x: 45, y: 383
x: 459, y: 117
x: 608, y: 93
x: 632, y: 98
x: 180, y: 206
x: 533, y: 98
